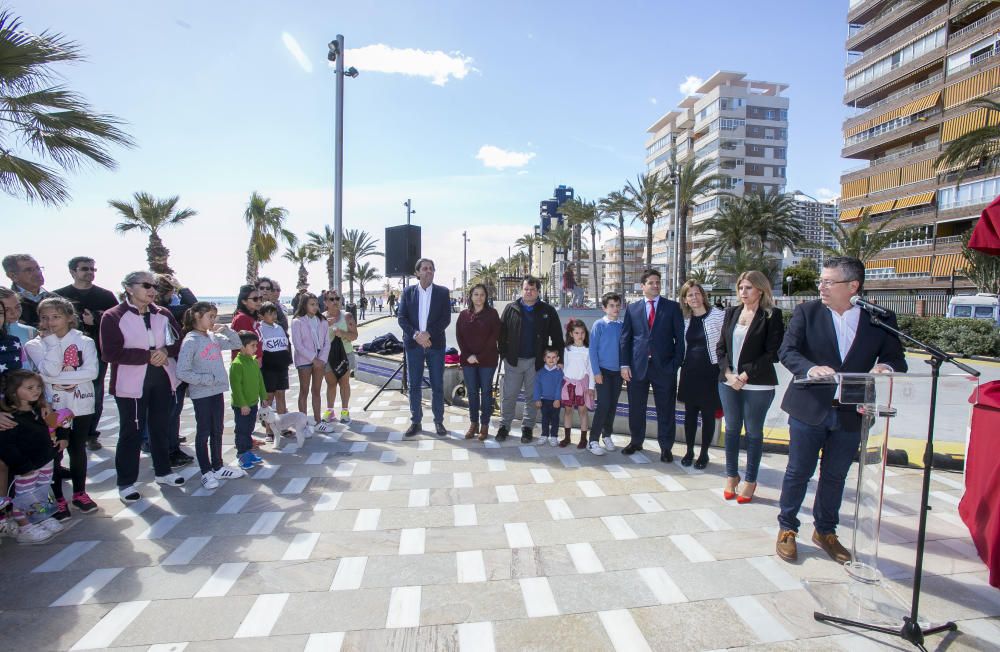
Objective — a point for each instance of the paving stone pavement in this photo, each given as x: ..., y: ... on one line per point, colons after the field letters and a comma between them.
x: 363, y: 539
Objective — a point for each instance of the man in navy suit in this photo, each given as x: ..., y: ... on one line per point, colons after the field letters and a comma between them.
x: 424, y: 314
x: 651, y: 351
x: 823, y: 338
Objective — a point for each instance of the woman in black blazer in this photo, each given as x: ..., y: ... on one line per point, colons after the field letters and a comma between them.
x: 747, y: 350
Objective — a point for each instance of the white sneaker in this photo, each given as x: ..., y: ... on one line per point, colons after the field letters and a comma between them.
x: 129, y: 495
x: 52, y: 525
x: 345, y: 416
x: 595, y: 448
x: 8, y: 527
x: 553, y: 441
x: 209, y: 481
x: 230, y: 473
x: 608, y: 444
x: 170, y: 480
x: 325, y: 426
x: 35, y: 533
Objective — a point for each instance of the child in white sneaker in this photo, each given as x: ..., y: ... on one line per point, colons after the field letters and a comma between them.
x: 548, y: 389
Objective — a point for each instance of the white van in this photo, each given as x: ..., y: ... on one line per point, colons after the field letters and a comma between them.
x: 975, y: 306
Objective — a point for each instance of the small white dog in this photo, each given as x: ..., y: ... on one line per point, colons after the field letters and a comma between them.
x: 281, y: 422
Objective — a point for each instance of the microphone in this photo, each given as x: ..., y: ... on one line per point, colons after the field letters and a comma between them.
x: 870, y: 307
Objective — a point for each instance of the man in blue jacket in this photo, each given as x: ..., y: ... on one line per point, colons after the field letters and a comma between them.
x: 424, y: 314
x: 652, y: 350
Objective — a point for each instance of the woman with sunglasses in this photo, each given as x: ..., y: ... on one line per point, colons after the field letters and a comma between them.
x: 140, y: 341
x: 245, y: 318
x: 343, y: 329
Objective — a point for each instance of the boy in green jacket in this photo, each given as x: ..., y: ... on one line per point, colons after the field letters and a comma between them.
x: 247, y: 385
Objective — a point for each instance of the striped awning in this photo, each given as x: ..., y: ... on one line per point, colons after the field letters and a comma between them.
x: 881, y: 207
x: 855, y: 188
x: 969, y: 89
x: 916, y: 106
x: 915, y: 200
x: 880, y: 264
x: 944, y: 264
x: 850, y: 214
x: 963, y: 124
x: 913, y: 265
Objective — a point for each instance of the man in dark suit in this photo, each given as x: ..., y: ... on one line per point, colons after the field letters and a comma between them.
x: 424, y: 314
x: 823, y: 338
x: 651, y: 351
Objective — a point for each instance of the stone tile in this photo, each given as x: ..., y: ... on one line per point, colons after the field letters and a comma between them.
x: 333, y: 545
x: 410, y: 570
x: 660, y: 524
x: 56, y: 628
x: 410, y: 517
x: 602, y: 506
x: 246, y: 548
x: 569, y: 633
x: 683, y: 626
x: 187, y: 620
x: 442, y: 637
x: 268, y: 644
x: 333, y: 611
x: 285, y: 577
x: 475, y: 537
x: 480, y: 601
x: 637, y: 553
x: 547, y: 533
x: 154, y: 583
x: 600, y: 591
x: 717, y: 579
x: 38, y: 590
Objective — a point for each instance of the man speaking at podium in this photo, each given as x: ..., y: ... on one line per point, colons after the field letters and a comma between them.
x: 825, y: 337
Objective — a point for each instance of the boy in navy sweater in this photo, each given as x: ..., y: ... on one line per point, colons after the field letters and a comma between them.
x: 604, y: 339
x: 548, y: 390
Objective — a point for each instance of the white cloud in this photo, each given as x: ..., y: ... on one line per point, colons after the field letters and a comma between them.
x: 494, y: 157
x: 522, y: 172
x: 296, y: 51
x: 691, y: 84
x: 436, y: 65
x: 652, y: 100
x: 825, y: 194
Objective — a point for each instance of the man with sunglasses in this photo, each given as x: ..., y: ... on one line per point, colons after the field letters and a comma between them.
x: 27, y: 278
x: 90, y: 302
x: 271, y: 291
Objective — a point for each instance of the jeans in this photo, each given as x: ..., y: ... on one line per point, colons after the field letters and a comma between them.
x: 102, y: 370
x: 152, y: 408
x: 244, y: 429
x: 518, y: 378
x: 415, y: 359
x: 479, y: 390
x: 77, y: 453
x: 208, y: 416
x: 608, y: 393
x: 744, y: 408
x: 805, y: 443
x: 664, y: 384
x: 550, y: 419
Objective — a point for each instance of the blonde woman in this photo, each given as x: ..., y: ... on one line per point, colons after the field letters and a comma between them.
x: 698, y: 389
x: 748, y: 348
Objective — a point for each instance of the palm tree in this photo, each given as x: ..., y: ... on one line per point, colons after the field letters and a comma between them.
x: 301, y: 255
x: 488, y: 275
x: 528, y: 241
x: 860, y: 241
x: 774, y: 220
x: 732, y: 230
x: 747, y: 259
x: 560, y: 237
x: 645, y: 200
x: 616, y: 204
x: 365, y: 273
x: 357, y: 245
x: 982, y: 269
x: 977, y: 148
x: 50, y: 122
x: 267, y: 225
x: 695, y: 184
x: 325, y: 244
x: 149, y: 214
x: 591, y: 220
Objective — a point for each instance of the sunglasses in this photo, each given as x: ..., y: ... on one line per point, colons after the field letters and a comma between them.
x: 86, y: 269
x: 265, y: 288
x: 333, y: 298
x: 253, y: 298
x: 147, y: 286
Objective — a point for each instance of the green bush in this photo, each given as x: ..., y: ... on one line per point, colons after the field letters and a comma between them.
x: 964, y: 336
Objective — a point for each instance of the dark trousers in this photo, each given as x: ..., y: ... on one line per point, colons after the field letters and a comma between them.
x: 173, y: 420
x: 479, y: 391
x: 550, y: 419
x: 244, y: 428
x: 77, y: 453
x: 664, y: 385
x: 691, y: 413
x: 152, y: 408
x: 805, y: 443
x: 608, y: 393
x: 208, y: 416
x: 102, y: 370
x: 416, y: 357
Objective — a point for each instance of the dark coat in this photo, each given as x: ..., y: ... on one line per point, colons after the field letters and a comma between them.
x: 438, y: 317
x: 548, y: 332
x: 664, y: 343
x: 760, y: 348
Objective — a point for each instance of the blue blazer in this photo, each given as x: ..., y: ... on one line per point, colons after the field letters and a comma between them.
x: 438, y: 318
x: 665, y: 341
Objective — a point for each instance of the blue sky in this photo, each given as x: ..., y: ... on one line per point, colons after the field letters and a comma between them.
x: 220, y: 106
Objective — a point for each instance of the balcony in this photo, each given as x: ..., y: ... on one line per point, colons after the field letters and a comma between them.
x: 870, y: 32
x: 900, y: 73
x: 896, y: 156
x: 985, y: 56
x: 973, y: 28
x: 930, y: 121
x: 948, y: 239
x: 907, y: 93
x: 899, y: 38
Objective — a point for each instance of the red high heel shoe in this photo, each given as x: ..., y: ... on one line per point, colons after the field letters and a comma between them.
x: 743, y: 500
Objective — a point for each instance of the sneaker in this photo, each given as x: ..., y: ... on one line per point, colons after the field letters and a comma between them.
x: 245, y: 462
x: 257, y: 461
x: 62, y: 510
x: 8, y: 527
x: 84, y: 503
x: 209, y: 481
x: 325, y: 426
x: 502, y: 433
x: 170, y: 480
x: 328, y: 414
x: 231, y: 472
x: 180, y: 459
x: 52, y: 525
x: 30, y: 534
x: 269, y: 439
x: 93, y: 444
x: 595, y: 448
x: 345, y: 416
x: 553, y: 441
x: 608, y: 444
x: 129, y: 495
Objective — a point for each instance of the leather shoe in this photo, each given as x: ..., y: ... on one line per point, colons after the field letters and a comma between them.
x: 526, y: 435
x: 502, y: 433
x: 831, y: 545
x: 702, y: 461
x: 413, y: 430
x: 93, y: 444
x: 440, y: 429
x: 687, y: 459
x: 666, y: 456
x: 631, y: 449
x: 472, y: 431
x: 785, y: 547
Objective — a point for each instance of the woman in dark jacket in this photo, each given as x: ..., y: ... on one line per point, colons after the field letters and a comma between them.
x: 747, y: 350
x: 477, y: 331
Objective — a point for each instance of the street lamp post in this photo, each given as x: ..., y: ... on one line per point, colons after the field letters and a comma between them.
x: 336, y: 55
x: 675, y: 280
x: 465, y: 264
x: 788, y: 285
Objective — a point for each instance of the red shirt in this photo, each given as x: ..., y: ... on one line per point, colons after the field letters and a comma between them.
x: 477, y: 334
x: 244, y: 322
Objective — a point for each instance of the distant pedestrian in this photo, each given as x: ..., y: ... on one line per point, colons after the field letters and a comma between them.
x: 363, y: 305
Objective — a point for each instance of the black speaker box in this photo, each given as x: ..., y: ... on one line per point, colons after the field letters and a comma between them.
x: 402, y: 249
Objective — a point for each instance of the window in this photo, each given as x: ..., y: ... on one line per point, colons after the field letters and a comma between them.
x: 779, y: 171
x: 730, y: 103
x: 976, y: 192
x: 900, y: 57
x: 780, y: 152
x: 727, y: 124
x: 729, y: 144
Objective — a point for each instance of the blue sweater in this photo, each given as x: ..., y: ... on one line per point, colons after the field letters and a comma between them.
x: 548, y: 384
x: 604, y: 345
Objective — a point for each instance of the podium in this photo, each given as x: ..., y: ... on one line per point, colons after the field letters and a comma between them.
x: 889, y: 404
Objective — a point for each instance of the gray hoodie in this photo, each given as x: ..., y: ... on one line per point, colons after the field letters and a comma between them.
x: 200, y: 362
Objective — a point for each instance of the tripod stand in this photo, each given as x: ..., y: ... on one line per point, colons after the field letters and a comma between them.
x: 402, y: 388
x: 910, y: 630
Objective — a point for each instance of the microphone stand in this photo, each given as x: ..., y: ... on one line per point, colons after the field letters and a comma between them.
x: 911, y: 630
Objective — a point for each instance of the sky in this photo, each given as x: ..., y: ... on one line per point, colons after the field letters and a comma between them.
x: 473, y: 110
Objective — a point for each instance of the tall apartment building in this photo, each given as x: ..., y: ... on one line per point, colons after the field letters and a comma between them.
x: 811, y: 215
x: 549, y: 217
x: 741, y: 125
x: 611, y: 259
x: 913, y: 67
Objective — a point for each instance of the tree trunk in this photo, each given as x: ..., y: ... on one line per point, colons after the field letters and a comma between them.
x: 251, y: 265
x: 531, y: 259
x: 157, y: 255
x: 621, y: 245
x: 330, y: 274
x: 577, y: 248
x: 681, y: 244
x: 303, y: 277
x: 593, y: 267
x: 649, y: 244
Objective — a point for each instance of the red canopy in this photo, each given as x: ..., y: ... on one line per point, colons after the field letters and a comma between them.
x: 986, y: 235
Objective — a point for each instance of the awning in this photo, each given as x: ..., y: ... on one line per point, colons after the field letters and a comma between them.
x: 963, y: 124
x: 915, y: 200
x: 850, y: 214
x: 944, y: 264
x: 971, y: 88
x: 916, y: 106
x: 880, y: 264
x: 881, y: 207
x: 913, y: 265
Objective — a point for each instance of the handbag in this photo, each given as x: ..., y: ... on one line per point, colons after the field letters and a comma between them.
x: 337, y: 359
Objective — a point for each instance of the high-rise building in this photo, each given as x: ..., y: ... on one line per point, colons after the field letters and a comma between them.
x: 811, y: 215
x: 738, y: 124
x: 549, y: 216
x: 912, y: 68
x: 611, y: 259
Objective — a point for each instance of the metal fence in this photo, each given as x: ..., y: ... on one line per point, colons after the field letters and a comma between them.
x: 935, y: 305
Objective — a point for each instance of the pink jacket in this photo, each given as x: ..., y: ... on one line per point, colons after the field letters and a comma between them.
x: 125, y: 346
x: 305, y: 345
